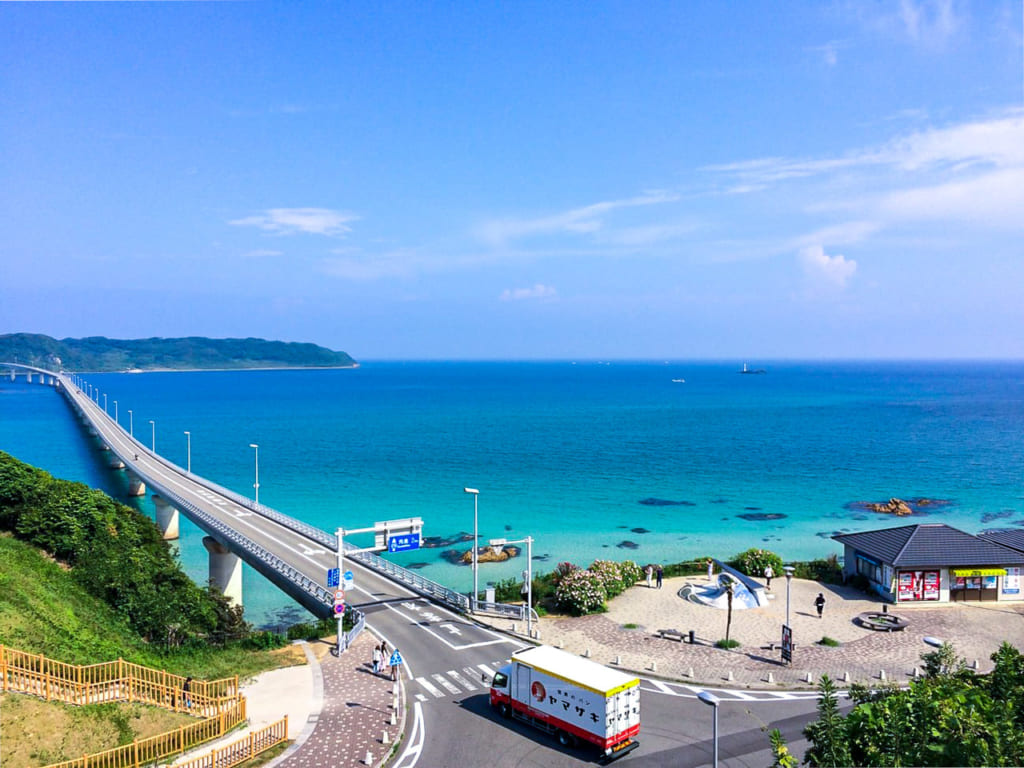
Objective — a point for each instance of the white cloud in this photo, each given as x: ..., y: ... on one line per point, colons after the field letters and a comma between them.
x: 291, y: 221
x: 929, y: 21
x: 989, y: 199
x: 539, y: 291
x: 583, y: 220
x: 823, y: 270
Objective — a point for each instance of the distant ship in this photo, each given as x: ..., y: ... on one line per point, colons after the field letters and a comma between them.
x: 752, y: 370
x: 678, y: 381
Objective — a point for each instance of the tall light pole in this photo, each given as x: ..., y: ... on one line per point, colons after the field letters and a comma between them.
x: 104, y: 402
x: 188, y: 465
x: 476, y: 545
x: 712, y: 701
x: 115, y: 412
x: 152, y: 425
x: 256, y: 485
x: 131, y: 424
x: 789, y: 579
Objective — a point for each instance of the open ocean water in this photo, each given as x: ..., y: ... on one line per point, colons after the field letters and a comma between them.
x: 567, y: 452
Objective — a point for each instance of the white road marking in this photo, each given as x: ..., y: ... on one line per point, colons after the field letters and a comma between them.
x: 446, y: 684
x: 451, y: 628
x: 411, y: 755
x: 421, y: 697
x: 430, y: 687
x: 461, y: 680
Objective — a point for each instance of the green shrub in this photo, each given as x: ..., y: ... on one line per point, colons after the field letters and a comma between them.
x: 754, y: 561
x: 727, y: 644
x: 610, y: 575
x: 265, y: 640
x: 686, y: 568
x: 826, y: 570
x: 581, y: 592
x: 830, y: 642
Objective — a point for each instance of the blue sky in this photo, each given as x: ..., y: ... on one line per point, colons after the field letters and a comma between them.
x: 741, y: 181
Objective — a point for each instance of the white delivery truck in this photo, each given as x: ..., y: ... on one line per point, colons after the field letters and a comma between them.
x: 572, y: 697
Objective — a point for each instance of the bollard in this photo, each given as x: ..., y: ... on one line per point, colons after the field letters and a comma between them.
x: 770, y: 678
x: 394, y: 718
x: 885, y: 607
x: 881, y: 675
x: 730, y: 676
x: 689, y: 671
x: 915, y: 672
x: 808, y: 678
x: 394, y: 689
x: 586, y: 653
x: 654, y: 666
x: 368, y: 760
x: 394, y: 702
x: 513, y: 627
x: 974, y: 664
x: 846, y: 677
x: 618, y: 660
x: 691, y: 637
x: 384, y: 738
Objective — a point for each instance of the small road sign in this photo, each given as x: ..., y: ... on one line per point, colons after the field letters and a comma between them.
x: 339, y: 596
x: 339, y: 609
x: 404, y: 542
x: 332, y: 577
x: 787, y: 644
x: 348, y: 580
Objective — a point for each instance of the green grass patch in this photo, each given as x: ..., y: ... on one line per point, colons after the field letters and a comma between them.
x: 830, y: 642
x: 727, y: 644
x: 631, y: 625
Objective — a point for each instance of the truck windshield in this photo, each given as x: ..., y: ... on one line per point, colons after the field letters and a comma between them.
x: 500, y: 680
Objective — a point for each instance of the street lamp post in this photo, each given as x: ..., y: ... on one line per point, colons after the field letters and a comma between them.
x: 131, y: 424
x: 256, y: 485
x: 115, y: 412
x: 104, y: 402
x: 789, y: 579
x: 188, y: 465
x: 152, y: 426
x: 712, y: 701
x: 476, y: 546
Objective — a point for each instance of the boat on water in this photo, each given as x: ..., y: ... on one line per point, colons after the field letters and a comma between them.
x: 752, y: 370
x: 678, y: 381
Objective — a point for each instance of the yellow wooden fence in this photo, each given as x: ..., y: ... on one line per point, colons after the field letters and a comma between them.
x: 218, y: 702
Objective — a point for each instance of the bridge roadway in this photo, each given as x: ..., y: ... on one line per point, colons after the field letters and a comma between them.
x: 448, y: 721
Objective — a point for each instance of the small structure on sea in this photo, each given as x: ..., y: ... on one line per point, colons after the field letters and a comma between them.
x: 933, y: 563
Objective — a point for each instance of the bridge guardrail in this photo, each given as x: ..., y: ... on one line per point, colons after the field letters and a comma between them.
x: 413, y: 580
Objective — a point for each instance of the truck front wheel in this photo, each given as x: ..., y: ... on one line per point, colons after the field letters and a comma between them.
x: 505, y: 710
x: 566, y: 739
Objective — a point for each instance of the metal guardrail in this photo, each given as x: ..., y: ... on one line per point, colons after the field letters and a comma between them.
x: 413, y: 580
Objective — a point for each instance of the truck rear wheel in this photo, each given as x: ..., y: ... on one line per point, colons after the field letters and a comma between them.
x: 566, y: 739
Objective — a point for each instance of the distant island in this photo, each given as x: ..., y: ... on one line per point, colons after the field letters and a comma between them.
x: 100, y: 354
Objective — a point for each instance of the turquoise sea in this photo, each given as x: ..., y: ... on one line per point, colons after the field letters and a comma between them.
x: 566, y: 452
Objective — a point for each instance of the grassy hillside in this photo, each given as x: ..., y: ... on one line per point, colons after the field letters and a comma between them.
x: 98, y: 353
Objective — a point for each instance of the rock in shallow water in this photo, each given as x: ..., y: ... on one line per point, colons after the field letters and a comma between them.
x: 762, y: 516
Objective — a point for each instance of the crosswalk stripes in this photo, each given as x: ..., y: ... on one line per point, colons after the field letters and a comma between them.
x: 456, y: 681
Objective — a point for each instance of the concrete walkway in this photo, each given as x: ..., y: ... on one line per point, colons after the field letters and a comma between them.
x: 628, y: 632
x: 338, y: 710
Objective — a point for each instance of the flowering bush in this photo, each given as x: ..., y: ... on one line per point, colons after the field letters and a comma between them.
x: 610, y: 575
x: 753, y: 562
x: 563, y: 570
x: 631, y: 573
x: 580, y: 592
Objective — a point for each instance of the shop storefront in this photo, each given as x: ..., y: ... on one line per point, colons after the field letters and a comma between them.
x: 975, y: 584
x: 933, y: 563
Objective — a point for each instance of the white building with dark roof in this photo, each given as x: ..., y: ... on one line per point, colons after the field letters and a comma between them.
x: 934, y: 563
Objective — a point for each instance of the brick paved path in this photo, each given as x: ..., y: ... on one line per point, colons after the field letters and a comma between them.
x: 357, y: 710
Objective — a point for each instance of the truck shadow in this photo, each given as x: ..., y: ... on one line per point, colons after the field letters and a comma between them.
x: 479, y: 704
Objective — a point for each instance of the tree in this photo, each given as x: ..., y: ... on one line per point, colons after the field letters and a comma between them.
x: 829, y: 744
x: 728, y: 596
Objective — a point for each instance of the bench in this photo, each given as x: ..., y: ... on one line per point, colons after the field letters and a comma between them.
x: 671, y: 634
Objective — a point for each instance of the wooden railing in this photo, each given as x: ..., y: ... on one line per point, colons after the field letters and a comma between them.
x: 217, y: 702
x: 243, y: 750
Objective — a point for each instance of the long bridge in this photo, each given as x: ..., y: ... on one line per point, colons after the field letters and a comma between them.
x: 293, y: 555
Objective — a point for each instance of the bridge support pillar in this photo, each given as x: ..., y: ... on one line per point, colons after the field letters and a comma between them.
x: 28, y: 377
x: 115, y: 461
x: 135, y: 485
x: 166, y: 518
x: 225, y: 569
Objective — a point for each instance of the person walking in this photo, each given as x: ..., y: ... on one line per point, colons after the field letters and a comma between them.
x: 819, y: 603
x: 186, y: 692
x: 661, y: 575
x: 711, y: 569
x: 395, y: 662
x: 768, y: 574
x: 650, y: 572
x: 378, y: 657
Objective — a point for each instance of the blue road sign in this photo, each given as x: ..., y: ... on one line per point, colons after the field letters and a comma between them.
x: 333, y: 577
x: 404, y: 543
x: 348, y: 580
